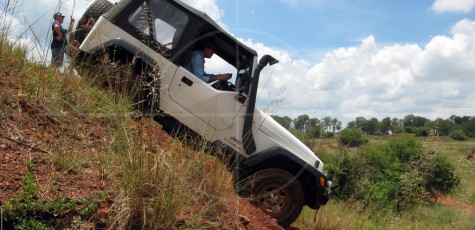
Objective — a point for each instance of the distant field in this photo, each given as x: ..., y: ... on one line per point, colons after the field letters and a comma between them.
x: 454, y: 211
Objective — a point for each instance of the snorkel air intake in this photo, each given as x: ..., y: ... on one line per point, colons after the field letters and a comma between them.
x: 247, y: 136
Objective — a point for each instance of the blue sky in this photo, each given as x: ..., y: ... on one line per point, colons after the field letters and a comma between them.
x: 317, y: 24
x: 338, y: 58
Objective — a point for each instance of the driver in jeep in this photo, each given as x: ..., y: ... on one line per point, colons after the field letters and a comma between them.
x: 195, y: 63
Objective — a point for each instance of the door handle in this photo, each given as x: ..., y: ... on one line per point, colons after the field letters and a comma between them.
x: 187, y: 81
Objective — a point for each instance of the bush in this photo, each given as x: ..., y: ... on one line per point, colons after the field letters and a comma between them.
x: 442, y: 176
x: 458, y: 135
x: 405, y: 147
x: 346, y: 172
x: 422, y: 131
x: 328, y: 135
x: 392, y: 176
x: 352, y: 137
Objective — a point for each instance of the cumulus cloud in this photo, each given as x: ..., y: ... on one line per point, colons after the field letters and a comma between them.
x: 208, y: 6
x: 441, y: 6
x: 393, y: 80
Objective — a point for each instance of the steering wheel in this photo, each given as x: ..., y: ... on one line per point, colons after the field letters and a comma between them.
x: 224, y: 85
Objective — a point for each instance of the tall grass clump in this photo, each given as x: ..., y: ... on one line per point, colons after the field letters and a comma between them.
x: 392, y: 176
x: 167, y: 188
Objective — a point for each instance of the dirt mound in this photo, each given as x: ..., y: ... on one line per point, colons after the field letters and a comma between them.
x: 33, y: 141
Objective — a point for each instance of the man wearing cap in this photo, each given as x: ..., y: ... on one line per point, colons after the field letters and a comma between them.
x: 195, y: 63
x: 59, y: 39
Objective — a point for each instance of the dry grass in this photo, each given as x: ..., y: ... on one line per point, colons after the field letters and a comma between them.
x: 159, y: 184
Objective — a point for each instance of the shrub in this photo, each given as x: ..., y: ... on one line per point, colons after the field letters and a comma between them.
x: 328, y: 135
x: 442, y: 176
x: 397, y: 129
x: 392, y: 176
x: 405, y: 147
x: 352, y: 137
x: 458, y: 135
x: 346, y: 171
x: 422, y: 131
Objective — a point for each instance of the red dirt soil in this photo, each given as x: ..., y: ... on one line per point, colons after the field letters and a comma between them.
x: 28, y: 134
x: 448, y: 201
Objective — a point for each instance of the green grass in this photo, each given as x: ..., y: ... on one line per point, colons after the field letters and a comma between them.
x: 457, y: 152
x: 351, y: 215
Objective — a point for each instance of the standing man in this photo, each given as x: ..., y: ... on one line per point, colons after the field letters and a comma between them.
x: 59, y: 39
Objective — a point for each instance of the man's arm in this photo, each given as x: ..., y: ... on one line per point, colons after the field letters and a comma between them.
x: 70, y: 28
x: 225, y: 77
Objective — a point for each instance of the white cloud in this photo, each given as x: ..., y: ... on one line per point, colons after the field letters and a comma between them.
x: 207, y: 6
x: 441, y: 6
x: 379, y: 81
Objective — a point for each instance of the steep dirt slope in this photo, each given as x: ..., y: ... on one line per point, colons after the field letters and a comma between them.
x: 61, y: 151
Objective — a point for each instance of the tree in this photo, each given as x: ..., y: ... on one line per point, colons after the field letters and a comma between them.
x: 397, y: 125
x: 285, y: 121
x: 335, y: 125
x: 420, y: 121
x: 301, y: 122
x: 441, y: 127
x: 314, y: 128
x: 385, y: 126
x: 468, y: 127
x: 458, y: 119
x: 408, y: 120
x: 327, y: 123
x: 372, y: 126
x: 360, y: 123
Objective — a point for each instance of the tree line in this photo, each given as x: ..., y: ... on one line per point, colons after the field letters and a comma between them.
x: 457, y: 127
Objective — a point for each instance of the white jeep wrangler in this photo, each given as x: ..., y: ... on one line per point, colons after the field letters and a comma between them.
x: 276, y: 171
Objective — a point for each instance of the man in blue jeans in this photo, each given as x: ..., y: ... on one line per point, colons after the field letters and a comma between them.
x: 195, y: 63
x: 59, y: 39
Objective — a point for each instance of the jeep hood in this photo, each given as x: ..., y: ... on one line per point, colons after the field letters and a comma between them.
x: 285, y: 139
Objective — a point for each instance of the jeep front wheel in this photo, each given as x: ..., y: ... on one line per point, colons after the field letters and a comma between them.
x: 278, y: 194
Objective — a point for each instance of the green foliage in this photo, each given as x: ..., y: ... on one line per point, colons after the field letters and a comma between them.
x: 405, y: 148
x: 27, y: 212
x: 422, y: 131
x: 346, y: 172
x: 328, y: 135
x: 397, y: 129
x: 442, y: 176
x: 352, y: 137
x: 458, y: 135
x: 285, y: 121
x: 392, y: 176
x: 469, y: 127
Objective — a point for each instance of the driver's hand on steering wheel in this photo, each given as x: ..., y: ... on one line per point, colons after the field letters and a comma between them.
x: 224, y: 77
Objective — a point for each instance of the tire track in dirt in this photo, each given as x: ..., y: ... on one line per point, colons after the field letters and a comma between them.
x: 449, y: 201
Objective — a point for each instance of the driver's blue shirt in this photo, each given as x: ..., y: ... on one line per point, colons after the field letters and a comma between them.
x: 195, y: 63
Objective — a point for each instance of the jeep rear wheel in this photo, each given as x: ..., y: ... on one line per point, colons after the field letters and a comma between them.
x: 278, y: 194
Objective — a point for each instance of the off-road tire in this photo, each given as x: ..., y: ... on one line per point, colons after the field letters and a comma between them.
x: 277, y: 193
x: 88, y: 19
